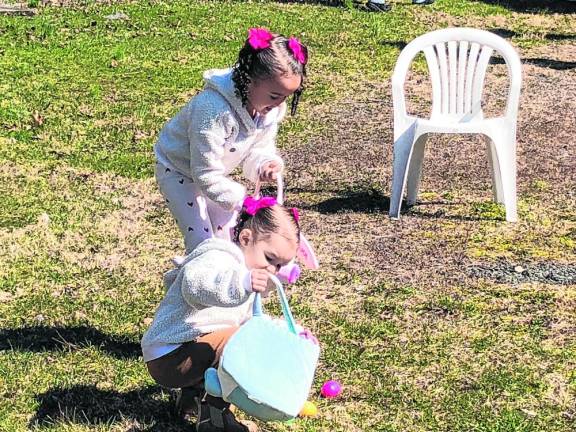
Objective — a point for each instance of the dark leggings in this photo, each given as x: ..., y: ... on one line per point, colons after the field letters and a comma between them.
x: 185, y: 366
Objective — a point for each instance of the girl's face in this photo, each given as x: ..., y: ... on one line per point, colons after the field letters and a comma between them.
x: 267, y: 252
x: 263, y: 95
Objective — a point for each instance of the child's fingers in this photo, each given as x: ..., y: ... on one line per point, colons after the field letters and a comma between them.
x: 260, y: 280
x: 258, y: 288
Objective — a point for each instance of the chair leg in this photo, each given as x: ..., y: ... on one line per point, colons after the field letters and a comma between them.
x: 495, y: 171
x: 505, y: 148
x: 415, y: 169
x: 402, y: 149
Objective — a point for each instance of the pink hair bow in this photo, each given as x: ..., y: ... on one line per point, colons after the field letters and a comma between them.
x: 297, y: 49
x: 259, y: 38
x: 252, y: 205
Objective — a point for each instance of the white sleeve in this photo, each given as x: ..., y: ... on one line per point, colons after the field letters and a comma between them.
x: 207, y: 133
x: 264, y: 150
x: 215, y: 279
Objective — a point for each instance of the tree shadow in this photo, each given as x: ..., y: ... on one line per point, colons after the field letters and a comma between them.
x: 344, y: 4
x: 535, y: 6
x: 551, y: 64
x: 147, y: 408
x: 541, y: 62
x: 508, y: 34
x: 41, y: 338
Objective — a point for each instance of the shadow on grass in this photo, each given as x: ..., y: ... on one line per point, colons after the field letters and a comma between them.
x: 147, y: 408
x: 527, y: 6
x: 507, y: 34
x: 535, y: 6
x: 441, y: 214
x: 41, y: 338
x: 334, y: 3
x: 542, y: 62
x: 364, y: 201
x: 372, y: 201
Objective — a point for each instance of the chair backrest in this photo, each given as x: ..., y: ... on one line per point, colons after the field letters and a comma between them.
x: 457, y: 61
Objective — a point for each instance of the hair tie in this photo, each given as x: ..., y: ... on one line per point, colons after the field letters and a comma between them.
x: 251, y: 205
x: 259, y: 38
x: 297, y: 49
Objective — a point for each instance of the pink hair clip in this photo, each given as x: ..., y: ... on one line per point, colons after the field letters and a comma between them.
x: 297, y: 49
x: 252, y: 205
x: 259, y: 38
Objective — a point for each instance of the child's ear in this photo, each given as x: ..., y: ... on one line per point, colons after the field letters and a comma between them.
x: 245, y: 237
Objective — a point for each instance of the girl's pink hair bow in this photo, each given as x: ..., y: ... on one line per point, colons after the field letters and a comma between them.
x: 297, y: 49
x: 259, y: 38
x: 252, y: 205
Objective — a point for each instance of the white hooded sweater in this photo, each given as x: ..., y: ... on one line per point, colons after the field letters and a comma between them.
x: 213, y: 134
x: 210, y: 290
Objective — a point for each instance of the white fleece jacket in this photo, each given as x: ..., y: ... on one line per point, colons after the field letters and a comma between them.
x: 213, y: 134
x: 210, y: 290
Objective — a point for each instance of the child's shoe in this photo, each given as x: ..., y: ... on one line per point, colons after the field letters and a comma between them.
x: 377, y: 6
x: 214, y: 415
x: 187, y: 402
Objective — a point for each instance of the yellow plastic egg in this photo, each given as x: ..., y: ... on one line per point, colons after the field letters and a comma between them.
x: 308, y: 410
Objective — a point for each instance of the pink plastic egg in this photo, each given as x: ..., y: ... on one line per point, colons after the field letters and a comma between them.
x: 331, y: 389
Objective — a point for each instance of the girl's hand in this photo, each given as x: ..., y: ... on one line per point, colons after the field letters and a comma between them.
x: 269, y: 171
x: 261, y: 282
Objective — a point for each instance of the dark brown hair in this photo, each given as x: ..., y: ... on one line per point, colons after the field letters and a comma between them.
x: 257, y: 64
x: 264, y: 222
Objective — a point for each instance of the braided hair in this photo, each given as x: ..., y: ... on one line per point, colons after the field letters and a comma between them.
x: 264, y: 222
x: 258, y: 64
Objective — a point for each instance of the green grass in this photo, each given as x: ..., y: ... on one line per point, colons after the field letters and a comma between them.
x: 84, y: 238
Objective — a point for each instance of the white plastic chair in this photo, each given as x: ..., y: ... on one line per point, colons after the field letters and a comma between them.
x: 457, y: 61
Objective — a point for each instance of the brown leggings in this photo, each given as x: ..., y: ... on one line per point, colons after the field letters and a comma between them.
x: 185, y: 366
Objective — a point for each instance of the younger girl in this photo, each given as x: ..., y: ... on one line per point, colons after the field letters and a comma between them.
x: 233, y: 121
x: 208, y: 297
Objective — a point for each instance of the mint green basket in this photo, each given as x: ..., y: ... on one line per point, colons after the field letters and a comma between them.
x: 266, y: 368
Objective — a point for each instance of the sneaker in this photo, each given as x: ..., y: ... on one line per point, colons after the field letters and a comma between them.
x: 187, y: 402
x: 214, y: 415
x: 422, y: 2
x: 377, y: 7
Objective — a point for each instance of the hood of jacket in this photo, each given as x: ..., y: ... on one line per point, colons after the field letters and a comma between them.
x: 206, y: 246
x: 220, y: 80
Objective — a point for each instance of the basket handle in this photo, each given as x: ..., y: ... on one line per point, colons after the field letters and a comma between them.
x: 279, y: 189
x: 257, y: 307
